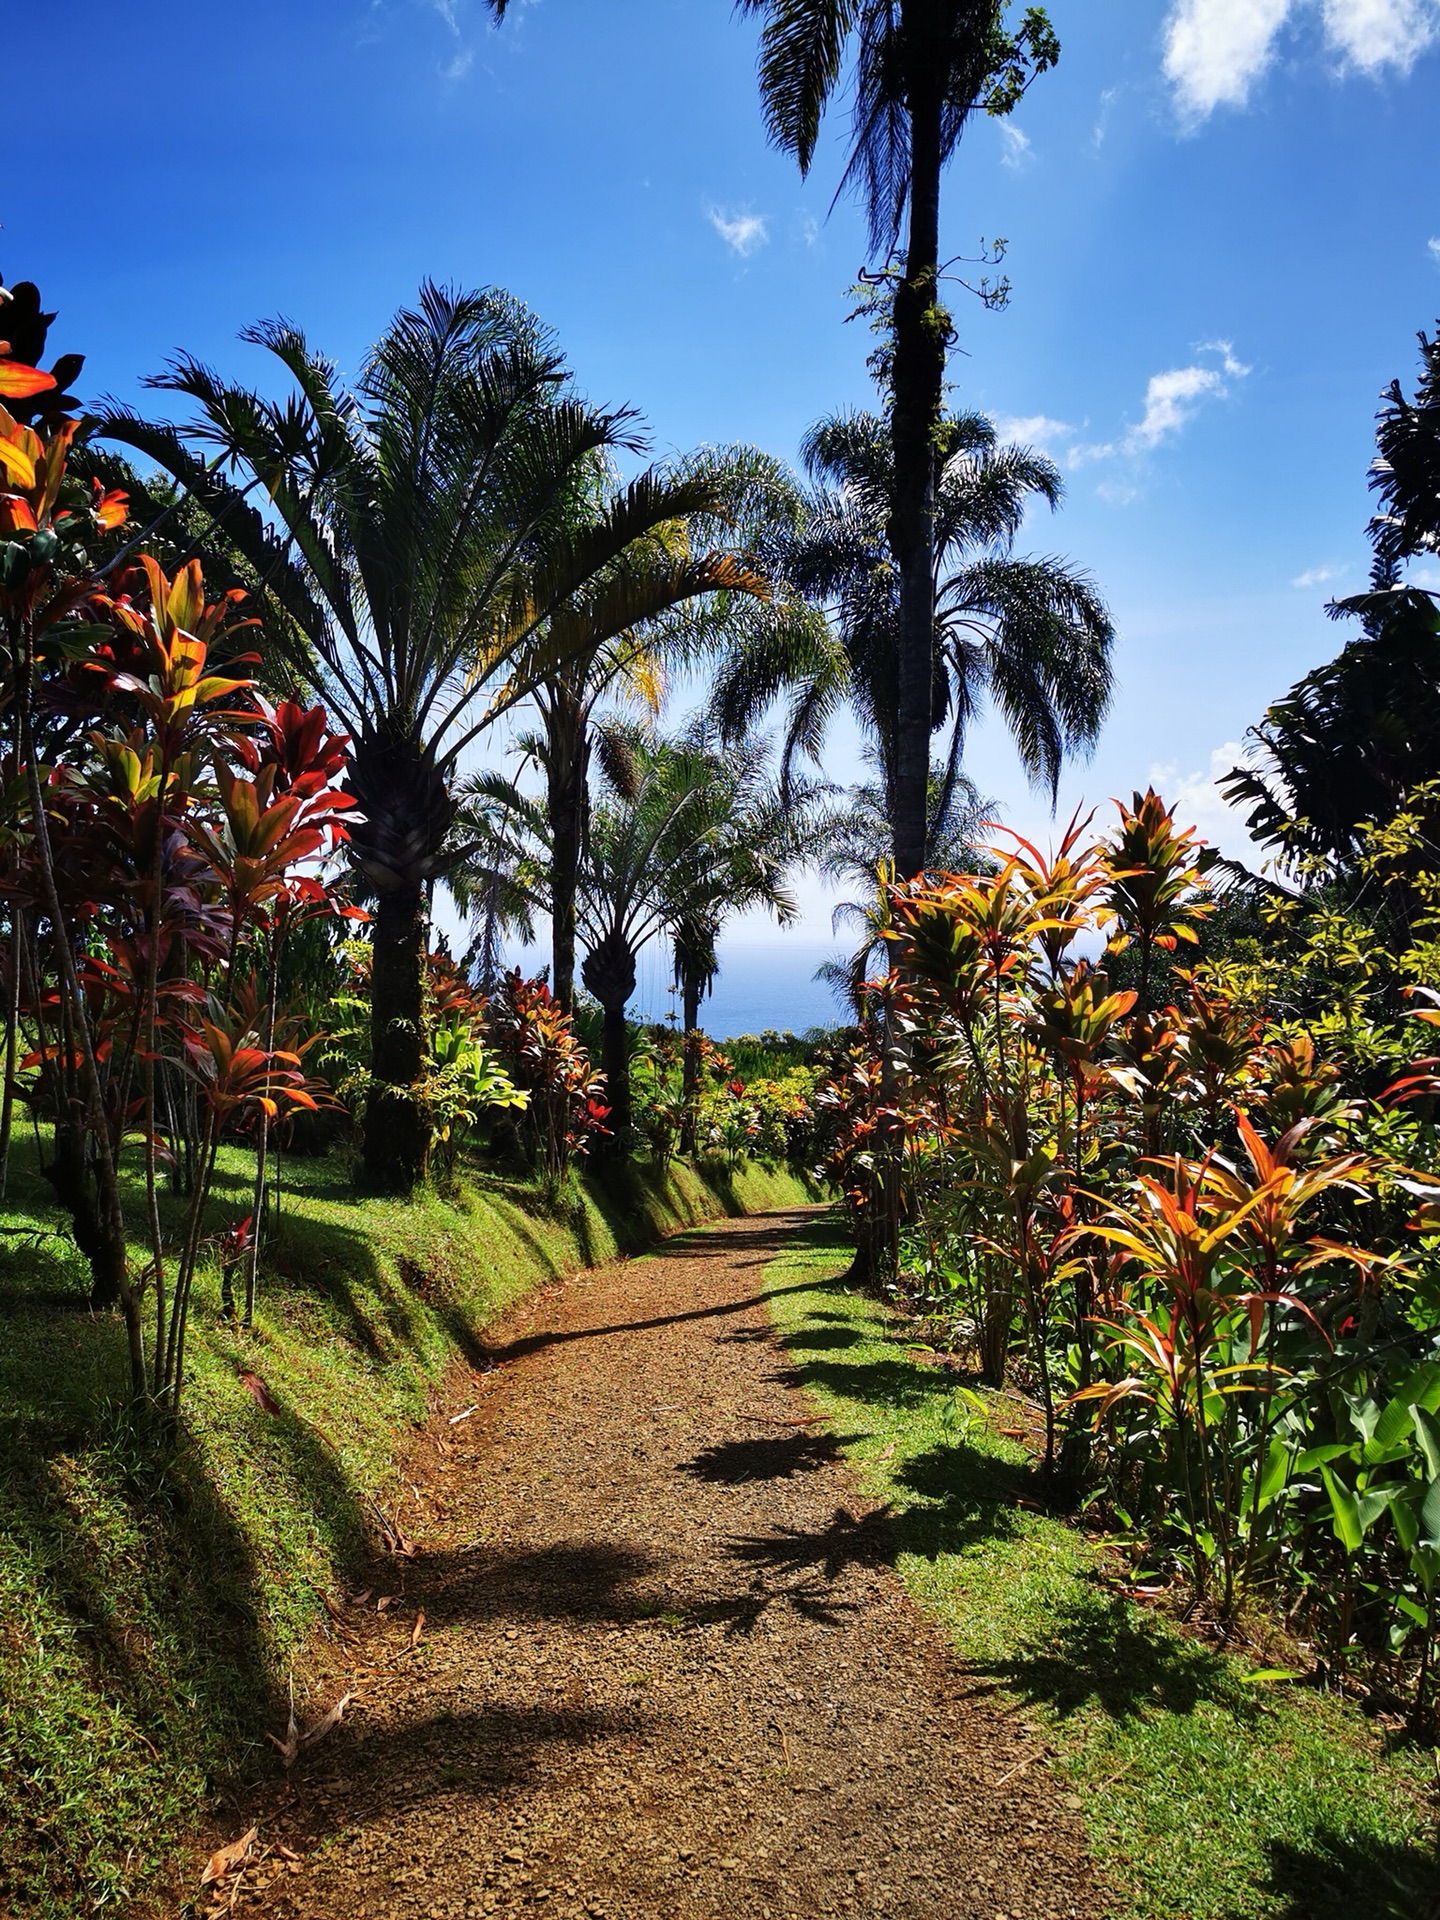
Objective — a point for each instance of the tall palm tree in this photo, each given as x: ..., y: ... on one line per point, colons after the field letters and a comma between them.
x: 759, y: 835
x: 421, y: 537
x: 1032, y: 634
x: 921, y: 68
x: 668, y: 599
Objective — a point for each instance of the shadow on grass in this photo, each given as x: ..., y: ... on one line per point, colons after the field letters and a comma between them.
x: 1337, y: 1876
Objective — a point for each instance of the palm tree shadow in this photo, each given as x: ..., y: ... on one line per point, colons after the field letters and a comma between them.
x: 736, y: 1463
x: 1334, y: 1875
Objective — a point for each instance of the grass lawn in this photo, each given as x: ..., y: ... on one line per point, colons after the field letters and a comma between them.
x: 1205, y: 1796
x: 151, y: 1615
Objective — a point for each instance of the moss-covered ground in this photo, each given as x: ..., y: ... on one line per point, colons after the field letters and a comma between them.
x: 152, y: 1611
x: 1207, y: 1795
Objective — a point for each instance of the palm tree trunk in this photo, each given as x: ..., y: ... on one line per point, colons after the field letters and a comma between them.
x: 690, y: 1067
x: 615, y: 1058
x: 565, y: 799
x: 921, y: 332
x: 395, y: 1130
x: 609, y: 973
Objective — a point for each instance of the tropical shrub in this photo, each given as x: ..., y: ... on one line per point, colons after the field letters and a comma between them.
x: 1102, y: 1148
x: 164, y: 831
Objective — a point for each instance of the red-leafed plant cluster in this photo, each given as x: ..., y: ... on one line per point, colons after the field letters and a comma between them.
x: 166, y: 831
x: 536, y: 1042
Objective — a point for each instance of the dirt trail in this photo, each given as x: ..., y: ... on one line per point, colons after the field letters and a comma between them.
x: 659, y: 1673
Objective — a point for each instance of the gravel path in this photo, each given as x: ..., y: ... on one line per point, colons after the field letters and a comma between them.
x: 660, y: 1672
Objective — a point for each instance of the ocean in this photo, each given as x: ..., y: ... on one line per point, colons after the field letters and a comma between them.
x: 761, y: 983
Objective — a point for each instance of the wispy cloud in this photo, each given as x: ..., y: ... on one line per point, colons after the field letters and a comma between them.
x: 1198, y: 801
x: 1035, y: 430
x: 1014, y: 146
x: 741, y: 232
x: 1172, y: 399
x: 1216, y: 50
x: 1316, y: 576
x: 1102, y: 117
x: 1434, y: 246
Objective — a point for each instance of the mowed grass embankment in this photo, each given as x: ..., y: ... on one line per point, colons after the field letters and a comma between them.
x: 1207, y: 1795
x: 153, y: 1613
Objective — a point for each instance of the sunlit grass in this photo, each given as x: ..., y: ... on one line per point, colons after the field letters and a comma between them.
x: 1205, y: 1796
x: 150, y: 1614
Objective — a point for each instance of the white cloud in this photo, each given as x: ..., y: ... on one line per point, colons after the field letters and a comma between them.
x: 1380, y: 33
x: 1102, y: 117
x: 1014, y: 147
x: 1316, y: 576
x: 1198, y: 801
x: 1434, y: 246
x: 741, y: 232
x: 1172, y: 399
x: 1215, y: 50
x: 1034, y: 430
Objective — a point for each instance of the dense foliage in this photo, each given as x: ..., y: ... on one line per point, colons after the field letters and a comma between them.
x: 1194, y: 1213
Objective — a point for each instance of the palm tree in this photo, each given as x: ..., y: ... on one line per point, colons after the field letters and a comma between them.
x: 1031, y: 634
x: 758, y: 835
x: 921, y: 69
x: 666, y: 600
x: 423, y: 540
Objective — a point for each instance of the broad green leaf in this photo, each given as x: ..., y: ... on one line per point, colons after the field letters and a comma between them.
x: 1268, y: 1676
x: 1277, y: 1466
x: 1428, y: 1428
x: 1317, y: 1456
x: 1430, y: 1516
x: 1346, y: 1515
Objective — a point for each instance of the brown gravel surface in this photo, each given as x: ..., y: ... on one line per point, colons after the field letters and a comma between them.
x: 642, y: 1687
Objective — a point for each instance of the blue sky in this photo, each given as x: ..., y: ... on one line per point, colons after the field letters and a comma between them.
x: 1222, y: 217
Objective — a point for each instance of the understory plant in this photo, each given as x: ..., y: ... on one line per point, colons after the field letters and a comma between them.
x: 165, y: 828
x: 1097, y: 1142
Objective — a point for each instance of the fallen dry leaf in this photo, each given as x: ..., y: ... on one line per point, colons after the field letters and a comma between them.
x: 327, y: 1722
x: 228, y: 1858
x: 418, y: 1628
x: 290, y: 1745
x: 259, y: 1392
x: 385, y: 1600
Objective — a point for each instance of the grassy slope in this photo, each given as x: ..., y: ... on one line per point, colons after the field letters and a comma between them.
x: 1205, y: 1797
x: 149, y: 1621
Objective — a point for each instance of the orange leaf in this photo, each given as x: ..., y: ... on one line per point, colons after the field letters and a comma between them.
x: 19, y: 382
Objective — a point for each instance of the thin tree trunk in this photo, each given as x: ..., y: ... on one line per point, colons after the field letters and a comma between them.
x: 395, y: 1130
x: 565, y: 799
x: 921, y: 331
x: 690, y: 1066
x: 12, y: 1046
x: 609, y: 973
x: 615, y: 1057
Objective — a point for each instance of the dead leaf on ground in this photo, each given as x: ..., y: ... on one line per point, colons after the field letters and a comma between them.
x: 327, y: 1723
x: 290, y: 1745
x: 418, y: 1628
x: 259, y: 1392
x: 226, y: 1859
